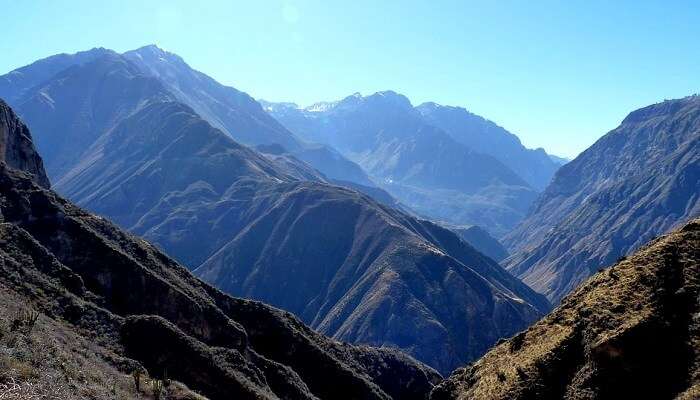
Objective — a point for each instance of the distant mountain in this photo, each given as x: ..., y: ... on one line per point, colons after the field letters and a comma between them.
x: 630, y: 332
x: 559, y: 160
x: 534, y: 166
x: 636, y: 182
x: 416, y: 162
x: 267, y: 227
x: 15, y: 84
x: 109, y: 304
x: 238, y: 114
x: 482, y: 241
x: 232, y: 111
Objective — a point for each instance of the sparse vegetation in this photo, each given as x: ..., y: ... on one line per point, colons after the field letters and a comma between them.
x: 24, y: 321
x: 157, y: 388
x: 136, y: 374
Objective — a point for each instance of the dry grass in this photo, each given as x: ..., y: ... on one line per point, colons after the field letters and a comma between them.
x: 52, y: 361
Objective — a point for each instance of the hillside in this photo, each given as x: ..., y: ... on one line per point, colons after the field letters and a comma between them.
x: 101, y: 297
x: 630, y: 332
x: 481, y: 240
x: 636, y: 182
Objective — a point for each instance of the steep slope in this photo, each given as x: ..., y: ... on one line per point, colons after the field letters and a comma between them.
x: 17, y: 148
x: 484, y: 136
x: 226, y: 108
x: 482, y: 241
x: 636, y: 182
x: 419, y: 164
x: 70, y: 111
x: 238, y: 114
x: 15, y: 84
x: 631, y: 332
x: 110, y: 304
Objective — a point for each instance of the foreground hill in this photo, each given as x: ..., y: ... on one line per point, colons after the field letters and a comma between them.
x: 266, y: 227
x: 418, y: 163
x: 635, y: 183
x: 111, y: 304
x: 630, y: 332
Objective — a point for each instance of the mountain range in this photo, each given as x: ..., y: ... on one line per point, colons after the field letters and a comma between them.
x: 88, y: 310
x: 261, y: 223
x: 443, y: 162
x: 636, y: 182
x: 85, y: 306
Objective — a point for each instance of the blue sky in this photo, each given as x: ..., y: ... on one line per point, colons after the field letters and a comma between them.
x: 559, y: 74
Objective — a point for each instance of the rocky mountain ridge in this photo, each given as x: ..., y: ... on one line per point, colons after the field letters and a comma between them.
x: 636, y: 182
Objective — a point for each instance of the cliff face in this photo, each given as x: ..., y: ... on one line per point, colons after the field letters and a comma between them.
x: 111, y: 304
x: 631, y: 331
x: 16, y: 146
x: 636, y: 182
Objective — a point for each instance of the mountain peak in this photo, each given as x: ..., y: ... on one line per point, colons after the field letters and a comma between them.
x: 393, y: 97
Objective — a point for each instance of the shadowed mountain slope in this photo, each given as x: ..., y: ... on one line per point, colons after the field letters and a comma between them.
x: 111, y: 304
x: 629, y: 332
x: 416, y: 162
x: 164, y: 173
x: 482, y: 241
x: 636, y: 182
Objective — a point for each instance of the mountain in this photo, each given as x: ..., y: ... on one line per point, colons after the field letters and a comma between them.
x: 232, y: 111
x: 237, y: 114
x: 109, y: 304
x: 272, y: 230
x: 534, y: 166
x: 636, y: 182
x: 418, y: 163
x: 481, y: 240
x: 16, y: 83
x: 630, y: 332
x: 559, y: 160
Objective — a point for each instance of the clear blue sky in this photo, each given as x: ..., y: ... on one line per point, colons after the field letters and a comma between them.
x: 559, y: 74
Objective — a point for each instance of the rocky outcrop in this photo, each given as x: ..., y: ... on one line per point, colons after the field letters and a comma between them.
x: 631, y: 331
x: 16, y: 146
x: 635, y: 183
